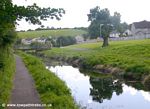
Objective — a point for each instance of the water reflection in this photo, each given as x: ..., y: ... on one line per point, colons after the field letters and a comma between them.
x: 103, y: 88
x: 98, y: 92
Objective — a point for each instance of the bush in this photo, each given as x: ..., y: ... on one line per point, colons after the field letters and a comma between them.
x: 65, y: 40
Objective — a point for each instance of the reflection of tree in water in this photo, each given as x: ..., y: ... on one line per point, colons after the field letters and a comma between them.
x: 103, y: 88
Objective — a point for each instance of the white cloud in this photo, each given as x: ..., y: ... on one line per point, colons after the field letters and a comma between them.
x: 146, y: 95
x: 129, y: 89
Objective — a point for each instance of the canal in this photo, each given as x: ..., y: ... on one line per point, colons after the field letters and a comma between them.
x: 102, y: 92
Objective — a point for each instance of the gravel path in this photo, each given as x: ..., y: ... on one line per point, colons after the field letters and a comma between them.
x: 24, y: 91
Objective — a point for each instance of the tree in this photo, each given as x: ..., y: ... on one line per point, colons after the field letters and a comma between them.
x: 102, y: 17
x: 115, y: 20
x: 122, y: 27
x: 10, y: 13
x: 103, y: 88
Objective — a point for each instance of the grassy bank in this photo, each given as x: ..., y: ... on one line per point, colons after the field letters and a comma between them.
x: 52, y: 90
x: 53, y: 33
x: 132, y: 57
x: 7, y: 71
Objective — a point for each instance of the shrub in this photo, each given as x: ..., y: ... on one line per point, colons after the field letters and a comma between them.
x: 65, y: 40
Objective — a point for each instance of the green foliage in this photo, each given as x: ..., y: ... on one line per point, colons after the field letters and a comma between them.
x: 53, y: 33
x: 99, y: 16
x: 103, y: 88
x: 52, y: 90
x: 34, y: 14
x: 36, y: 44
x: 102, y: 23
x: 122, y: 27
x: 64, y: 41
x: 94, y: 30
x: 6, y: 76
x: 131, y: 56
x: 7, y: 35
x: 115, y: 20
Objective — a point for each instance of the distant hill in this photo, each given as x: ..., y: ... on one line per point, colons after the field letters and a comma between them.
x: 53, y: 33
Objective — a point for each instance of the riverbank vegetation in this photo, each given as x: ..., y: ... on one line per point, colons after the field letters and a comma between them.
x: 128, y: 58
x: 7, y: 70
x: 52, y: 90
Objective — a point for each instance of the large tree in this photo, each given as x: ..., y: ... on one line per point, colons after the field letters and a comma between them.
x: 102, y: 23
x: 10, y: 13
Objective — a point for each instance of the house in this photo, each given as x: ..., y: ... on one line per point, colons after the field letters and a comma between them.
x: 114, y: 34
x: 140, y: 28
x: 127, y: 33
x: 27, y: 41
x: 79, y: 39
x: 41, y: 40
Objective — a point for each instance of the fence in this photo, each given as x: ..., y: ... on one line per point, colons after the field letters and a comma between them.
x: 117, y: 39
x: 130, y: 38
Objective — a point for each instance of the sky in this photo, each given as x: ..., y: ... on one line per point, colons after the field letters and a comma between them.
x: 77, y: 10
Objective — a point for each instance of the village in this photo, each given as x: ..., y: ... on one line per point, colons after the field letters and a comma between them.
x: 137, y: 30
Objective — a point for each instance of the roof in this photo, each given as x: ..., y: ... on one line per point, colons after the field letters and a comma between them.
x: 114, y: 32
x: 42, y: 38
x: 142, y: 24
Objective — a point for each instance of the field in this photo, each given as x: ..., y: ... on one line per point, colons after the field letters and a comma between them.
x: 53, y: 33
x: 131, y: 56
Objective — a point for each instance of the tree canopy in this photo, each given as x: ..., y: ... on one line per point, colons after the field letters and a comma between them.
x: 101, y: 20
x: 98, y: 16
x: 10, y: 13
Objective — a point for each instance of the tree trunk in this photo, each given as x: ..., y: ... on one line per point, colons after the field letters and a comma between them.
x: 105, y: 42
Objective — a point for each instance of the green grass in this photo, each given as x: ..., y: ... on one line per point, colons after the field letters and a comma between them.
x: 52, y: 90
x: 131, y: 56
x: 6, y: 76
x: 53, y: 33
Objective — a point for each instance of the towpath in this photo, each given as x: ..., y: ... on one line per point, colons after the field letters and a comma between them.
x: 24, y: 91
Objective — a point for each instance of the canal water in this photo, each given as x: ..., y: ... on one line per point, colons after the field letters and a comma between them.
x: 96, y: 92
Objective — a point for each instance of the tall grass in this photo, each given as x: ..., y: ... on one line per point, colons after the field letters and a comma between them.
x: 7, y: 71
x: 52, y: 90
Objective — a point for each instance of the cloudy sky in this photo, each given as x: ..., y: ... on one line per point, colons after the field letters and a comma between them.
x: 77, y: 10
